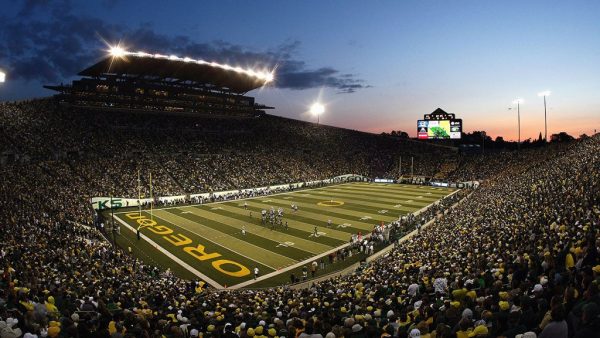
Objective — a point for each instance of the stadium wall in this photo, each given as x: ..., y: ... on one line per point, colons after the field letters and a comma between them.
x: 103, y: 203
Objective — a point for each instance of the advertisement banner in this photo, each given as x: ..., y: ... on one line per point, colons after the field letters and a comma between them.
x: 103, y: 203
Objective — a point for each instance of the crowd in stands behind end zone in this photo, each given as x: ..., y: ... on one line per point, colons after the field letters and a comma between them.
x: 517, y: 258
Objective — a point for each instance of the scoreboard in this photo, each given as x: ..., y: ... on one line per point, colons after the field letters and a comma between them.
x: 439, y: 125
x: 439, y: 129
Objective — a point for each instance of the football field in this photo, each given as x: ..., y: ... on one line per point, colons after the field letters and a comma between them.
x: 209, y: 241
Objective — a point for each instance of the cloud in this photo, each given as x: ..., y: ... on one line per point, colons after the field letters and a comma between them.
x: 56, y: 48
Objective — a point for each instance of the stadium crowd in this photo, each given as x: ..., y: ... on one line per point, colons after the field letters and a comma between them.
x: 516, y: 258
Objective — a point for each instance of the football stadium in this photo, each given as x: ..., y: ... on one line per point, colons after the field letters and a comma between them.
x: 323, y: 224
x: 192, y: 180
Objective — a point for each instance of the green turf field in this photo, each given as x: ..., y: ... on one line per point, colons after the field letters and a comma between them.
x: 206, y: 241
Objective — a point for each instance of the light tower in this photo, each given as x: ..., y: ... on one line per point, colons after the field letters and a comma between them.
x: 518, y: 103
x: 2, y: 76
x: 317, y: 109
x: 544, y: 94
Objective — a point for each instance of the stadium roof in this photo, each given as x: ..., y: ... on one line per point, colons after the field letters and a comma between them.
x: 173, y: 68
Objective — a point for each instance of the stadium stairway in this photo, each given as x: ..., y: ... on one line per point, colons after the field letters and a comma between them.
x: 161, y: 164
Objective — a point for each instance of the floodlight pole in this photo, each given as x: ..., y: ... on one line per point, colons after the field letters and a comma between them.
x: 519, y: 123
x: 545, y: 121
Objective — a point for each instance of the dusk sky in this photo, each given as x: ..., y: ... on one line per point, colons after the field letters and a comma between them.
x: 376, y: 65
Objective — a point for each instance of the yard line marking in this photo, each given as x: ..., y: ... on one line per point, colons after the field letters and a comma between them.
x: 340, y: 212
x: 368, y: 198
x: 263, y: 230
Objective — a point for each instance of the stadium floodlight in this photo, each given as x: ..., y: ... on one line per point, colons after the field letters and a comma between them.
x: 263, y: 75
x: 545, y: 94
x: 2, y: 76
x: 117, y: 51
x: 317, y: 109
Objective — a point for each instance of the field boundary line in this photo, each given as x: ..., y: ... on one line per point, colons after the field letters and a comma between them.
x: 172, y: 257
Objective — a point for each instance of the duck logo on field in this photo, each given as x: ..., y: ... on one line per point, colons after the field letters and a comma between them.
x: 344, y: 225
x: 330, y: 203
x: 285, y: 244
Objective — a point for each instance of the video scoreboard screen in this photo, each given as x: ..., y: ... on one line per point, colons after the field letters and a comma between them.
x: 439, y: 129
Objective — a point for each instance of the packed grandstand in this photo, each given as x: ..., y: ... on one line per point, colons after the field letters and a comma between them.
x: 516, y: 255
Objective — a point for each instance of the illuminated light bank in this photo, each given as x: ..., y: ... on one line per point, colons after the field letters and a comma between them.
x: 120, y: 52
